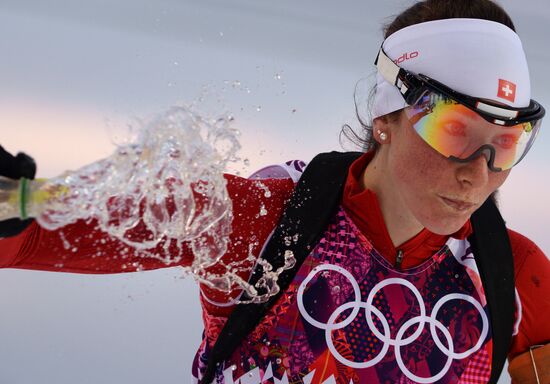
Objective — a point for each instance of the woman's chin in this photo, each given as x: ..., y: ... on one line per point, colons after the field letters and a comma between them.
x: 446, y: 224
x: 448, y: 227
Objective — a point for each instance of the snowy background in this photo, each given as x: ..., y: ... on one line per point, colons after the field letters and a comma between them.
x: 285, y: 69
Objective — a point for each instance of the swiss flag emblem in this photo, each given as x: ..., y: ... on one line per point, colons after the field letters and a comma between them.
x: 506, y: 90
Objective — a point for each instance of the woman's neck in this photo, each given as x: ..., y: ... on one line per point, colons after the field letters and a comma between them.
x: 400, y: 222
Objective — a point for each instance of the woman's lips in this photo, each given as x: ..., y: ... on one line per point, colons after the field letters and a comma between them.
x: 458, y: 205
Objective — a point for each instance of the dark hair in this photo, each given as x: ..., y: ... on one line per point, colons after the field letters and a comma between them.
x: 426, y: 10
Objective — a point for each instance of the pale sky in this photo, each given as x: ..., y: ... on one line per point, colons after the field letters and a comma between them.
x: 285, y: 69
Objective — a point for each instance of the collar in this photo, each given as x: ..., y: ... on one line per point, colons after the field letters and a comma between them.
x: 364, y: 209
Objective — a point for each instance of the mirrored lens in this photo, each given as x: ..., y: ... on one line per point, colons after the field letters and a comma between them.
x: 456, y: 131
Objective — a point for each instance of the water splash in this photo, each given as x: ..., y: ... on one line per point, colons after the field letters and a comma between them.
x: 166, y: 185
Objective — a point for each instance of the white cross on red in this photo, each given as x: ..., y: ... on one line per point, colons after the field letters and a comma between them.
x: 507, y: 90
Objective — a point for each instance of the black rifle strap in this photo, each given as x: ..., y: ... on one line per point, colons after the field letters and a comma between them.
x: 313, y: 204
x: 494, y: 259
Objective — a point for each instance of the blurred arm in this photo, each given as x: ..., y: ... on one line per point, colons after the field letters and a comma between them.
x: 533, y: 287
x: 83, y: 247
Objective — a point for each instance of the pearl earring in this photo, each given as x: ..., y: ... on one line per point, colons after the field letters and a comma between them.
x: 383, y: 135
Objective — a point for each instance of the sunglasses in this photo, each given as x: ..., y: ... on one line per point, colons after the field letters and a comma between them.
x: 461, y: 127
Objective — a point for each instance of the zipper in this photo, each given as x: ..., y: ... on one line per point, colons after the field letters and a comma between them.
x: 399, y: 259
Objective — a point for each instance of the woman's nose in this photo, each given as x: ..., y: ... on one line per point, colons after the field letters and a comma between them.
x: 474, y: 173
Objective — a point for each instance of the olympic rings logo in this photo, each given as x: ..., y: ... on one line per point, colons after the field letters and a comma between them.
x: 398, y: 342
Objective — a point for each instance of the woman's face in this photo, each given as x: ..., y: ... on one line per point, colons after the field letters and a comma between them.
x: 439, y: 193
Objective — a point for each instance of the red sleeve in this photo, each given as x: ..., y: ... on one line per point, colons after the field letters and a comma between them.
x: 79, y: 248
x: 532, y: 270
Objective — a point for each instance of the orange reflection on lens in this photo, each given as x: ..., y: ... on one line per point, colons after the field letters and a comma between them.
x: 457, y: 131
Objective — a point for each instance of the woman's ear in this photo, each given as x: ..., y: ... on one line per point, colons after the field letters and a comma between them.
x: 381, y: 129
x: 383, y: 126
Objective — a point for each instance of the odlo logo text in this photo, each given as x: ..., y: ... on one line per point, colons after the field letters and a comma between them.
x: 406, y: 56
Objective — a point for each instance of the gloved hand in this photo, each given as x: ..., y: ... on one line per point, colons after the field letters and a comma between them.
x: 15, y: 167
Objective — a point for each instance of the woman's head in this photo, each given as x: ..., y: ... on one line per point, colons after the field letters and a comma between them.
x: 418, y: 183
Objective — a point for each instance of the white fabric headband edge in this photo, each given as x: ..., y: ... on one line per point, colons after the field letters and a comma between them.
x: 477, y: 57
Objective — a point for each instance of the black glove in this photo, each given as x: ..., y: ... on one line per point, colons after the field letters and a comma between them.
x: 15, y: 167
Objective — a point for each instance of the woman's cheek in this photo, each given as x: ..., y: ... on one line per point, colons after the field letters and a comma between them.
x: 419, y: 169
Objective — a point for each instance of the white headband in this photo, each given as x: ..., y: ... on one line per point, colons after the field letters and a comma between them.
x: 476, y: 57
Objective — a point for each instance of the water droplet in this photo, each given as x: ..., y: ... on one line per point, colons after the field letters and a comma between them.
x: 246, y: 162
x: 221, y: 34
x: 278, y: 361
x: 259, y: 108
x: 336, y: 289
x: 233, y: 367
x: 293, y: 110
x: 278, y: 76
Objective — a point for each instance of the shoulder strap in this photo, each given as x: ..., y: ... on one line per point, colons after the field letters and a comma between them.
x: 313, y: 203
x: 495, y: 262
